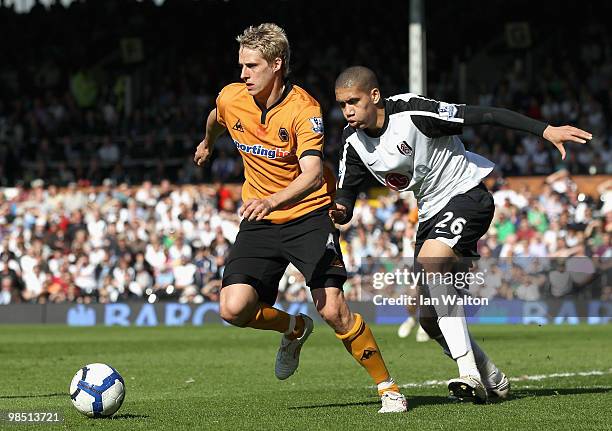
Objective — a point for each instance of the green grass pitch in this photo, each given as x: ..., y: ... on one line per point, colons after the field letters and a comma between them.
x: 216, y: 377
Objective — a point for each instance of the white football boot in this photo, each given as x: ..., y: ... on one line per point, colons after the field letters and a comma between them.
x: 422, y: 336
x: 468, y: 388
x: 500, y: 390
x: 393, y: 402
x: 288, y: 355
x: 404, y: 330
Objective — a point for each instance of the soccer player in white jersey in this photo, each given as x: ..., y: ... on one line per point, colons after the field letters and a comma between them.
x: 408, y: 142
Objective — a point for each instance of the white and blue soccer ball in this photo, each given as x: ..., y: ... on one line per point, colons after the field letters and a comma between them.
x: 97, y: 390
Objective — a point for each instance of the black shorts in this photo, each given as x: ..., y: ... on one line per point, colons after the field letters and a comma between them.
x: 461, y: 223
x: 263, y: 250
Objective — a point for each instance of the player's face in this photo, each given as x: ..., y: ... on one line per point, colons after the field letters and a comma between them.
x: 257, y: 73
x: 358, y: 106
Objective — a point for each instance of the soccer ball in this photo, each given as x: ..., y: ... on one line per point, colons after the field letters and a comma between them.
x: 97, y: 390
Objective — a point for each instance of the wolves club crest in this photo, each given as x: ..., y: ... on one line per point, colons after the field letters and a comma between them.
x: 367, y: 354
x: 283, y: 134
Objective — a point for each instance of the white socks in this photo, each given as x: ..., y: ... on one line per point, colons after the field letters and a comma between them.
x: 456, y: 334
x: 486, y: 368
x: 291, y: 327
x: 467, y: 365
x: 386, y: 384
x: 459, y: 345
x: 454, y: 328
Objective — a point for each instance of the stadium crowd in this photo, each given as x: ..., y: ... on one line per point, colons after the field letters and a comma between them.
x: 129, y: 103
x: 156, y: 242
x: 103, y: 122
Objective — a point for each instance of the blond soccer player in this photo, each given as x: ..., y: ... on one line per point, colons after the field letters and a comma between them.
x: 277, y: 129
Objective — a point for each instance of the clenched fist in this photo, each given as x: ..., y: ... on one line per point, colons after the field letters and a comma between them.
x: 203, y: 152
x: 337, y: 213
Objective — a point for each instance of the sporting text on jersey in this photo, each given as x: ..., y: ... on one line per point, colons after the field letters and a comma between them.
x: 261, y: 151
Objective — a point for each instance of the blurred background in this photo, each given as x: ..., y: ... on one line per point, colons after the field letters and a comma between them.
x: 102, y: 104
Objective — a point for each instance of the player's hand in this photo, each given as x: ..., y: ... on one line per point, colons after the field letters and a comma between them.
x: 337, y: 212
x: 203, y: 152
x: 559, y: 135
x: 256, y: 209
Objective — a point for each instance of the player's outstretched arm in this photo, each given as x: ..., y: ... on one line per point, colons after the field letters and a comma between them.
x: 477, y: 115
x: 309, y: 180
x: 213, y: 130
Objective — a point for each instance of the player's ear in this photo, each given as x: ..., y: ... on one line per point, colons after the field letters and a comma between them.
x: 277, y: 64
x: 375, y: 95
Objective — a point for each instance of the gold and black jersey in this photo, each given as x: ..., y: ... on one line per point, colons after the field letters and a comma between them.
x: 271, y: 142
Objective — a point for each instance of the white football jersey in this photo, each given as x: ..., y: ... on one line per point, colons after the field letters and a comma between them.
x: 417, y: 149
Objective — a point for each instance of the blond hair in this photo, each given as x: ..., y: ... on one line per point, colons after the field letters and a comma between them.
x: 270, y: 40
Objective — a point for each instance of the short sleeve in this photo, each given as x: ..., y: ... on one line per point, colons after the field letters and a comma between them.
x: 309, y: 132
x: 221, y: 108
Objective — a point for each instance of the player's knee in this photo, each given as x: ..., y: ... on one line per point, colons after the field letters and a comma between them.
x: 434, y: 264
x: 234, y: 313
x: 436, y: 257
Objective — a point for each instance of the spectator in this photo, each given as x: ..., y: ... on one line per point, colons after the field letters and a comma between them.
x: 560, y: 281
x: 74, y: 127
x: 7, y: 290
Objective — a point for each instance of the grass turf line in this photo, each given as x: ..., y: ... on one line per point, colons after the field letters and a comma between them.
x: 216, y: 377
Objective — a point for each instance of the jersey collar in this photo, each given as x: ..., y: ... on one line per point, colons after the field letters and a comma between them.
x: 383, y: 129
x: 264, y: 110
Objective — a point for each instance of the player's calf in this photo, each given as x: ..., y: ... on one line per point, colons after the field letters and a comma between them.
x: 359, y: 341
x: 430, y: 326
x: 333, y: 309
